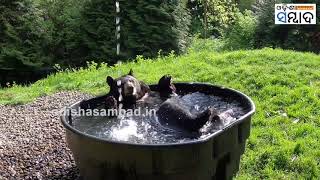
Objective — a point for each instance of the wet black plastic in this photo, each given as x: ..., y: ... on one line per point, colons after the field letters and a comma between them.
x: 216, y: 157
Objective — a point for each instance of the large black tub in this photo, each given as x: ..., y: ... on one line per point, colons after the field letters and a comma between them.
x: 214, y: 157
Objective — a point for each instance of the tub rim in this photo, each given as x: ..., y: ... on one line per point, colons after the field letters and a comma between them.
x: 67, y: 126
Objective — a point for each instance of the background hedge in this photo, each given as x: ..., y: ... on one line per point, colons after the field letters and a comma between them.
x: 150, y: 26
x: 20, y: 35
x: 41, y: 33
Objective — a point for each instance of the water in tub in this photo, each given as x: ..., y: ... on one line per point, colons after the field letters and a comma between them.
x: 139, y: 125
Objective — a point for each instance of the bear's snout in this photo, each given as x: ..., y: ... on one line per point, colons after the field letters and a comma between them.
x: 129, y: 89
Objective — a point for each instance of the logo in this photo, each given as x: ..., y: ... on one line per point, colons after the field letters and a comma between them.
x: 295, y: 14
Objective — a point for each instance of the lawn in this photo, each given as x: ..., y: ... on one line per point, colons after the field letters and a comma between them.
x: 285, y: 86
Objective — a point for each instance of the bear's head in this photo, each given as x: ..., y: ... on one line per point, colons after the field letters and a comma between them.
x: 165, y: 87
x: 127, y: 88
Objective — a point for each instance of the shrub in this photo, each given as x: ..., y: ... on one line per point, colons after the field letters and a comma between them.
x: 241, y: 33
x: 196, y: 10
x: 207, y: 45
x: 220, y: 15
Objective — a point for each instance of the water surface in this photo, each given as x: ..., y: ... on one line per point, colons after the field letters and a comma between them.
x: 145, y: 129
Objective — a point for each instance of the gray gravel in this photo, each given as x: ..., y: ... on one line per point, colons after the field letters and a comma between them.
x: 32, y: 139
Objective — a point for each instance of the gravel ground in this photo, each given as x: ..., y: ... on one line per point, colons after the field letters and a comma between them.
x: 32, y: 139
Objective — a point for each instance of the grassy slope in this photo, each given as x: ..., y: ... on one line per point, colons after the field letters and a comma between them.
x: 285, y: 86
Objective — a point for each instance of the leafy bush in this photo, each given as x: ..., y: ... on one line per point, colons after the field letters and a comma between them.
x: 197, y: 18
x: 207, y: 45
x: 220, y: 15
x: 297, y: 37
x: 241, y: 33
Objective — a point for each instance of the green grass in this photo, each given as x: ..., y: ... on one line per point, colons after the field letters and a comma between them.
x: 285, y: 86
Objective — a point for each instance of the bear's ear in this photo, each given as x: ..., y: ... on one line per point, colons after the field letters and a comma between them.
x: 109, y: 80
x: 131, y: 72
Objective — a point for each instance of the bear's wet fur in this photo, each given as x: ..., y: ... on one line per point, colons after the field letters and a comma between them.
x: 174, y: 114
x: 166, y: 88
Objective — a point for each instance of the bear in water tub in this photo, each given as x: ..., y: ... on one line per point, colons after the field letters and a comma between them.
x: 173, y: 113
x: 125, y: 90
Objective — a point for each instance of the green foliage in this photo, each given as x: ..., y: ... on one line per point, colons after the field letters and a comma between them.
x: 146, y: 28
x: 208, y: 45
x: 99, y: 29
x: 284, y: 140
x: 297, y: 37
x: 197, y: 16
x: 20, y: 35
x: 63, y: 31
x: 245, y: 4
x: 70, y: 33
x: 220, y: 15
x: 241, y: 33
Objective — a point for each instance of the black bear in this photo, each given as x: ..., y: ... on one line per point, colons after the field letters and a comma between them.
x: 125, y: 90
x: 166, y: 88
x: 173, y: 113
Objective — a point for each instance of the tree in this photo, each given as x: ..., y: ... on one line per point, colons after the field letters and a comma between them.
x: 213, y: 16
x: 297, y: 37
x: 20, y: 45
x: 64, y: 31
x: 146, y: 28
